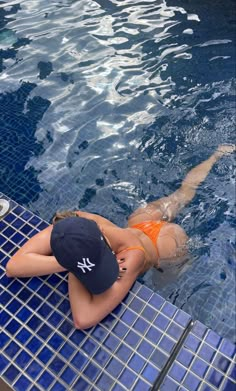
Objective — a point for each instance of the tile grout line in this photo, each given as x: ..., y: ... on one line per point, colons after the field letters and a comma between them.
x: 159, y: 380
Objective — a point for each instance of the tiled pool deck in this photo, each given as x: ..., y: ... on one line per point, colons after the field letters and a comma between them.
x: 145, y: 344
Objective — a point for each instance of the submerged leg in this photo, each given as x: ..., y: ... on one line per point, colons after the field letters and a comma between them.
x: 166, y: 208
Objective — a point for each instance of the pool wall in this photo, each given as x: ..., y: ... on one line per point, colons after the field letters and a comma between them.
x: 146, y: 343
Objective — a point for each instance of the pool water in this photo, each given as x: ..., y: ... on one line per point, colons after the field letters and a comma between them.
x: 106, y: 104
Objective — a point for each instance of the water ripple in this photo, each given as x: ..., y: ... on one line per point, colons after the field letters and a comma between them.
x: 134, y: 93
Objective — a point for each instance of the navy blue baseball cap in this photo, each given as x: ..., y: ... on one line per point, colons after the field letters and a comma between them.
x: 79, y: 246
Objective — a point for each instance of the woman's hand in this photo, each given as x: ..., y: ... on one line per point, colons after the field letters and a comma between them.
x: 122, y: 266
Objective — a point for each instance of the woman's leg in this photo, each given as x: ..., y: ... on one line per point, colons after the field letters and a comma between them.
x: 166, y: 208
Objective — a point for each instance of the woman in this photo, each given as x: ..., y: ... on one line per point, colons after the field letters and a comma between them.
x: 104, y: 260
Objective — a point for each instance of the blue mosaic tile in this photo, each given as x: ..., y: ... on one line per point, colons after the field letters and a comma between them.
x: 4, y: 318
x: 154, y: 335
x: 150, y: 373
x: 145, y: 349
x: 213, y: 339
x: 142, y: 385
x: 206, y: 352
x: 118, y: 387
x: 34, y: 283
x: 11, y: 349
x: 127, y: 378
x: 177, y: 372
x: 55, y: 341
x: 228, y: 385
x: 169, y: 385
x: 136, y: 305
x: 104, y: 382
x: 22, y: 383
x: 228, y: 348
x: 14, y: 306
x: 44, y: 331
x: 15, y: 286
x: 45, y: 355
x: 159, y: 358
x: 55, y: 319
x: 79, y: 360
x: 18, y: 223
x: 91, y: 371
x: 145, y: 293
x: 11, y: 373
x: 128, y: 317
x: 23, y: 336
x: 156, y: 301
x: 12, y: 326
x: 22, y: 359
x: 127, y: 350
x: 167, y: 344
x: 67, y: 350
x: 69, y: 375
x: 148, y: 313
x: 35, y: 220
x: 4, y: 339
x: 34, y: 345
x: 89, y: 347
x: 161, y: 322
x: 77, y: 337
x: 199, y: 367
x: 120, y: 330
x: 4, y: 362
x: 175, y: 331
x: 214, y: 377
x: 44, y: 291
x: 17, y: 238
x: 56, y: 365
x: 3, y: 225
x: 18, y: 210
x: 58, y: 387
x: 182, y: 318
x: 192, y: 343
x: 123, y: 352
x: 44, y: 310
x: 232, y: 372
x: 191, y: 382
x: 81, y: 384
x: 221, y: 362
x: 111, y: 342
x: 99, y: 333
x: 132, y: 339
x: 141, y: 325
x: 34, y: 369
x: 136, y: 363
x: 114, y: 367
x: 66, y: 327
x: 45, y: 380
x: 109, y: 321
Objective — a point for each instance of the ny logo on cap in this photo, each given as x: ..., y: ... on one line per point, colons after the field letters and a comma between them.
x: 85, y: 265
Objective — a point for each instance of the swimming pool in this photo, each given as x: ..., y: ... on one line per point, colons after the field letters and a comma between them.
x: 106, y: 104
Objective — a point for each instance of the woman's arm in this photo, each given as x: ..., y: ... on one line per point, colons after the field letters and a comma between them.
x: 34, y: 258
x: 87, y: 309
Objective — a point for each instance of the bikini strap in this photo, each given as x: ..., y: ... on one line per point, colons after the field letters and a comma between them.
x: 134, y: 248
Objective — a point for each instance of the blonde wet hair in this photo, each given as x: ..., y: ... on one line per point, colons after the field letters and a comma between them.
x: 64, y: 214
